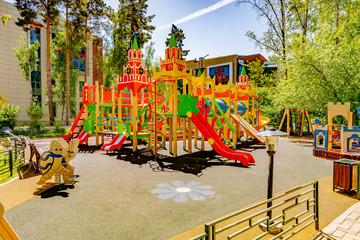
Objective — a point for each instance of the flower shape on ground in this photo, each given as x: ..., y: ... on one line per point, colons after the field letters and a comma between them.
x: 181, y: 192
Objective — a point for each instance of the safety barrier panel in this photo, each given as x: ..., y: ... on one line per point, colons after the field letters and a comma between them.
x: 293, y: 211
x: 11, y: 156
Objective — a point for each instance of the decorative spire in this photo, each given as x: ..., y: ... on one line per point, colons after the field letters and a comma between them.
x: 134, y: 44
x: 172, y: 39
x: 199, y: 73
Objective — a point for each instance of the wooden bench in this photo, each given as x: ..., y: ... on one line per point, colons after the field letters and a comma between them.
x: 35, y: 151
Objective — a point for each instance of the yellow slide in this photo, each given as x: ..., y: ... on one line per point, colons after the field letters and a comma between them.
x: 263, y: 121
x: 6, y: 232
x: 249, y: 129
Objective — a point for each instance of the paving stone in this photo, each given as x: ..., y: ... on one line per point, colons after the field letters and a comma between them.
x: 348, y: 237
x: 339, y: 233
x: 354, y: 214
x: 355, y: 227
x: 347, y: 224
x: 330, y: 229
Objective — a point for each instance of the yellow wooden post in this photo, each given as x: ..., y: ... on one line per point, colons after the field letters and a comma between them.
x: 308, y: 117
x: 282, y: 120
x: 175, y: 115
x: 302, y: 121
x: 135, y: 109
x: 97, y: 111
x: 151, y: 120
x: 113, y: 114
x: 203, y: 96
x: 120, y: 108
x: 288, y: 121
x: 86, y: 110
x: 143, y: 104
x: 330, y: 130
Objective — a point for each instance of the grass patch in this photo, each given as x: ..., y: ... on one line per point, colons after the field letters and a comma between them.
x: 43, y: 133
x: 18, y: 170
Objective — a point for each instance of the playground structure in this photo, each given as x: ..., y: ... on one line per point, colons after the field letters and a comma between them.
x: 295, y: 120
x: 6, y: 231
x: 335, y: 141
x: 138, y: 111
x: 56, y: 161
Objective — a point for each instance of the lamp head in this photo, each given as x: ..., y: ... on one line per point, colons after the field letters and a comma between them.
x: 271, y: 138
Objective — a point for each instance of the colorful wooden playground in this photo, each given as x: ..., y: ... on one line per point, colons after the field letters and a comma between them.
x: 337, y: 141
x: 220, y: 113
x: 194, y: 109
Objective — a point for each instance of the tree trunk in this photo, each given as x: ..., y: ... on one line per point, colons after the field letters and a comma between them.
x: 67, y: 121
x: 85, y: 77
x: 48, y: 71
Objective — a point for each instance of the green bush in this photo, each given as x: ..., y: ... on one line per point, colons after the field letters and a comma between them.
x: 8, y: 116
x: 57, y: 125
x: 36, y: 113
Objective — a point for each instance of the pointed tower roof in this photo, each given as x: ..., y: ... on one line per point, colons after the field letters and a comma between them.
x: 199, y: 73
x: 134, y: 44
x: 172, y: 43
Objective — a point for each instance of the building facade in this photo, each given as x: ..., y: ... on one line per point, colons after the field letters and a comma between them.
x: 12, y: 84
x: 226, y: 68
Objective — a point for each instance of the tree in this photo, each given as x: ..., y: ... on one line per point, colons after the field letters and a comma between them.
x: 274, y: 40
x: 28, y: 58
x: 179, y: 38
x: 89, y: 14
x: 130, y: 14
x: 60, y: 64
x: 324, y: 68
x: 48, y: 9
x: 5, y: 18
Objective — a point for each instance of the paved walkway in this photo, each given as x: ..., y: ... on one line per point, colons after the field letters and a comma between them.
x: 347, y: 225
x: 115, y: 198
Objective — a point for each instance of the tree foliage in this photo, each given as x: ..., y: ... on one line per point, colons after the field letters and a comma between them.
x: 27, y: 55
x: 48, y: 9
x: 316, y: 44
x: 130, y: 14
x: 179, y: 38
x: 324, y: 68
x: 59, y: 65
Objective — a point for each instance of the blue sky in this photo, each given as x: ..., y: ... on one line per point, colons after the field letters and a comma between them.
x: 218, y: 32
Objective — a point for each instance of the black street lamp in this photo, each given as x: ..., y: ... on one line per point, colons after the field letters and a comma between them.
x: 271, y: 142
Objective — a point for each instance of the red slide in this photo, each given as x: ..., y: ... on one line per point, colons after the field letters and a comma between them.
x: 116, y: 143
x: 83, y: 137
x: 67, y: 136
x: 209, y: 133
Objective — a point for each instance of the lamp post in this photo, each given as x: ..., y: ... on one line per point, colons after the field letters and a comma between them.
x: 271, y: 142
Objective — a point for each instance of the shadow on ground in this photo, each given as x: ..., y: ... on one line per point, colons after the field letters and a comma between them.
x: 193, y: 163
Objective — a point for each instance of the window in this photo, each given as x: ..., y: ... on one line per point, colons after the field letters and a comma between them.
x: 81, y: 84
x: 221, y: 74
x: 36, y: 85
x: 36, y: 75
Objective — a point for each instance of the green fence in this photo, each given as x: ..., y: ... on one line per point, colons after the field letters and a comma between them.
x: 293, y: 210
x: 12, y: 155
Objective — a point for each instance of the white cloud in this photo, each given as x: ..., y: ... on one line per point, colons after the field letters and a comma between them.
x: 198, y: 13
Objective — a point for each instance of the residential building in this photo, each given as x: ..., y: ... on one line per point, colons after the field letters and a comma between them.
x: 227, y: 68
x: 14, y: 86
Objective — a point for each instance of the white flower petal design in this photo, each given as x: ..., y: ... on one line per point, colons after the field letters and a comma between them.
x: 196, y: 196
x: 167, y: 195
x: 205, y: 192
x: 192, y: 184
x: 178, y: 183
x: 181, y: 192
x: 182, y: 197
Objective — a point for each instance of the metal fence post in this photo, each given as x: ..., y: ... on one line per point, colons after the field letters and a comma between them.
x: 316, y: 185
x: 15, y: 153
x: 207, y: 230
x: 11, y: 162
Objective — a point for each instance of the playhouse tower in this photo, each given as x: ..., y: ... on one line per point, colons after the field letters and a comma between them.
x: 136, y: 79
